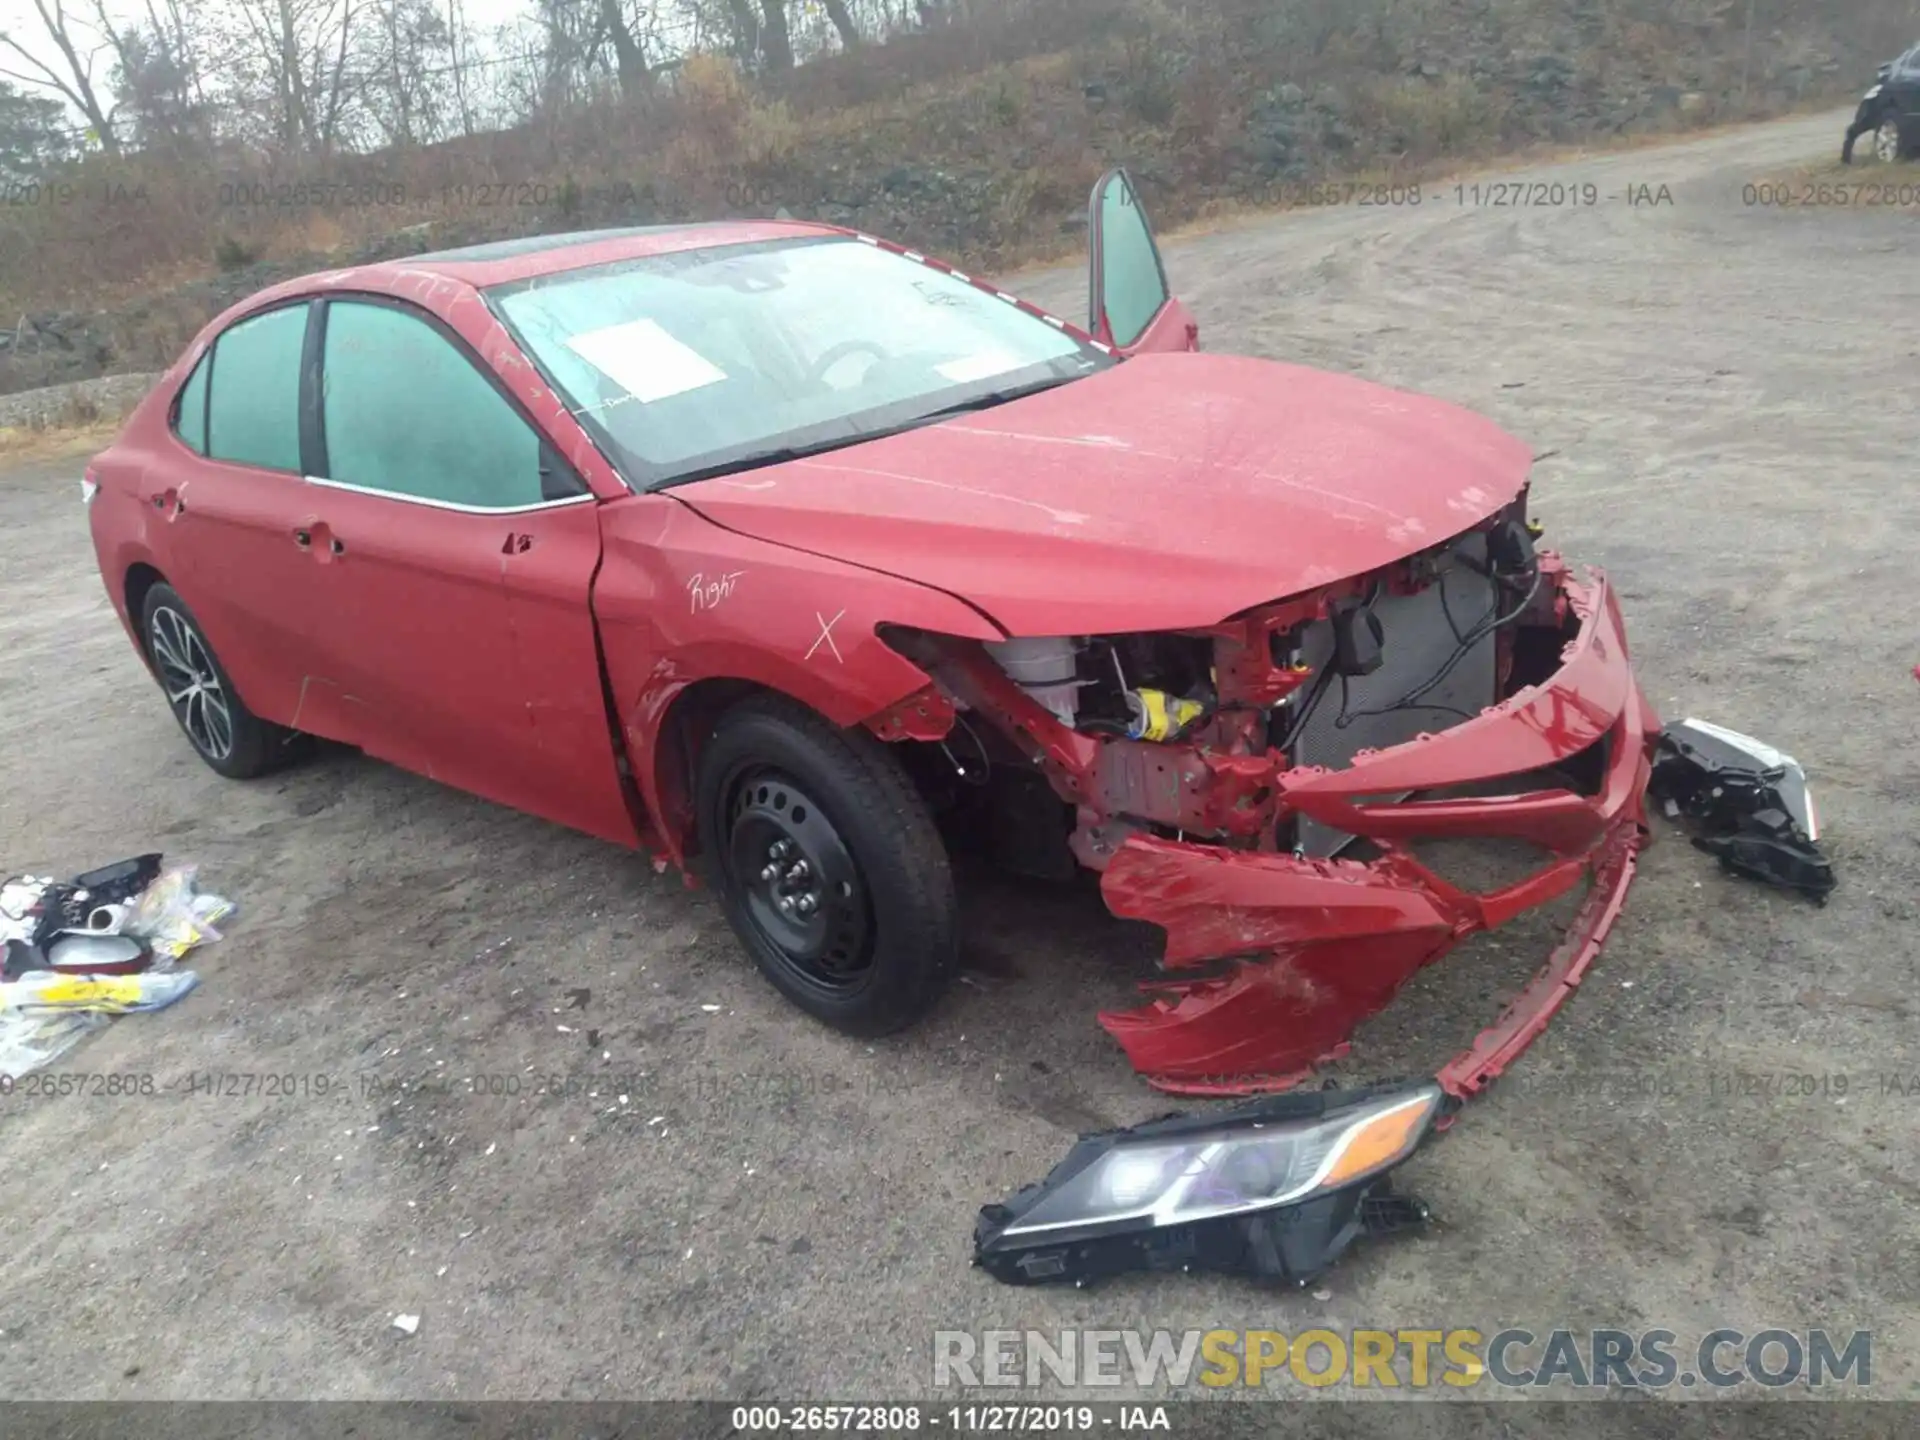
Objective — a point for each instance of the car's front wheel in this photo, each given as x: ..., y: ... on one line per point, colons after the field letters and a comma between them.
x: 223, y: 732
x: 828, y: 865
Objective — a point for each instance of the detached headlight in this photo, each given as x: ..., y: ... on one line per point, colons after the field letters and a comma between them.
x: 1278, y: 1189
x: 1750, y: 802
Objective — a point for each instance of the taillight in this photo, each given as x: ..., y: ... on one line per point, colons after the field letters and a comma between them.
x: 89, y: 487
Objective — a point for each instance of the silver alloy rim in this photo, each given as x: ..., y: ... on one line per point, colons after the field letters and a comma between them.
x: 192, y: 685
x: 1886, y: 142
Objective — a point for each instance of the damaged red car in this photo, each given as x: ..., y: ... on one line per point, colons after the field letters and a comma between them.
x: 798, y: 558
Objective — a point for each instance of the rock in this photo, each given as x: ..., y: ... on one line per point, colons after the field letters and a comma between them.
x: 109, y: 397
x: 1290, y: 94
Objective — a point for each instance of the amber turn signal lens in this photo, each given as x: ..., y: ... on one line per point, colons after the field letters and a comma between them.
x: 1379, y: 1140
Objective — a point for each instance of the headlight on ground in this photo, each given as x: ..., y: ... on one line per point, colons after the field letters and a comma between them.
x: 1278, y: 1188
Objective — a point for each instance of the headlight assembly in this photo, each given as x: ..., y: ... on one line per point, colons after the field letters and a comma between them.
x: 1276, y: 1189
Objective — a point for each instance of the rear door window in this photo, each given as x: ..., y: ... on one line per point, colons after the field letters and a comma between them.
x: 253, y: 417
x: 405, y: 412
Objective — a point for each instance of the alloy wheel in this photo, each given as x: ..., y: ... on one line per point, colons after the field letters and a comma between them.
x: 191, y: 683
x: 1886, y: 142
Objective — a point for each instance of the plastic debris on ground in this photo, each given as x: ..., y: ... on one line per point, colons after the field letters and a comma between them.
x: 33, y: 1042
x: 105, y: 943
x: 40, y: 991
x: 1750, y: 805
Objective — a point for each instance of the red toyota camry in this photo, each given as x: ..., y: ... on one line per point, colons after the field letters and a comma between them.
x: 800, y: 559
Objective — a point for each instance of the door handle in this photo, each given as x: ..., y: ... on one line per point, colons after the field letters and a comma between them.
x: 303, y: 538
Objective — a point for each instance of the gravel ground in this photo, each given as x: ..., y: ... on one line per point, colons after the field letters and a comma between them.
x: 724, y: 1200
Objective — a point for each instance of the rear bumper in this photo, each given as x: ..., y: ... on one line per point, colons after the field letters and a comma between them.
x: 1334, y: 940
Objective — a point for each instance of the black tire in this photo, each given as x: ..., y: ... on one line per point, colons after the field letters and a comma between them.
x: 882, y: 939
x: 229, y: 737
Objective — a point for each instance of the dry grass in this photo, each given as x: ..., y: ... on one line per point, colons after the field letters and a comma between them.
x: 1424, y: 119
x: 21, y: 444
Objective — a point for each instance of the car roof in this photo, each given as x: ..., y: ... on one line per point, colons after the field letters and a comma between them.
x: 504, y: 261
x: 422, y: 278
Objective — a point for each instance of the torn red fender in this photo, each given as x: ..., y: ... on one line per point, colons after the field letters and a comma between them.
x: 1337, y: 939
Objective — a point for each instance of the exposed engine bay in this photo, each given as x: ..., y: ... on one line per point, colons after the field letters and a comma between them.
x: 1258, y: 788
x: 1362, y: 665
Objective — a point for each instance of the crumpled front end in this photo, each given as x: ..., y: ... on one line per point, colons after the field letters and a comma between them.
x: 1331, y: 941
x: 1268, y: 794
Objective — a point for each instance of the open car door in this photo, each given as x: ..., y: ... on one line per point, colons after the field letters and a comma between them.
x: 1132, y: 308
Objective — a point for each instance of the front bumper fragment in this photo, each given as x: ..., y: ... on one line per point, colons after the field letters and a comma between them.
x: 1334, y: 940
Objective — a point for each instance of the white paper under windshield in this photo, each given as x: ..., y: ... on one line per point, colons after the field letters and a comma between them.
x: 645, y: 361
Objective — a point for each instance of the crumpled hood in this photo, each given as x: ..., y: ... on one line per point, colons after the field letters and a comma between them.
x: 1168, y: 492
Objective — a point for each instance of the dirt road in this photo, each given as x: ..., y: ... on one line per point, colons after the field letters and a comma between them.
x: 718, y: 1198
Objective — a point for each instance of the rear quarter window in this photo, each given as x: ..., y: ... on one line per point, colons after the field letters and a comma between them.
x: 253, y: 417
x: 190, y: 409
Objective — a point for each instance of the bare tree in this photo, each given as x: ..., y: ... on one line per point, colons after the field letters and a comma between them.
x: 636, y: 76
x: 458, y: 44
x: 159, y: 77
x: 74, y: 81
x: 743, y: 22
x: 410, y: 67
x: 843, y: 22
x: 776, y: 37
x: 299, y: 51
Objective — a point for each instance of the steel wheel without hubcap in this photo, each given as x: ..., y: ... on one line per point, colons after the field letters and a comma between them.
x: 802, y: 890
x: 192, y: 685
x: 1886, y: 142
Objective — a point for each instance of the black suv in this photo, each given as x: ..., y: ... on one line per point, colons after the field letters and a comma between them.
x: 1890, y: 112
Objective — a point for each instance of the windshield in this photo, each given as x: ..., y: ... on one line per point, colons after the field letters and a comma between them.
x: 705, y: 361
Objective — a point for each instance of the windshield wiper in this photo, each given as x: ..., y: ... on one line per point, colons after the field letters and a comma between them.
x: 778, y: 455
x: 781, y: 454
x: 991, y: 399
